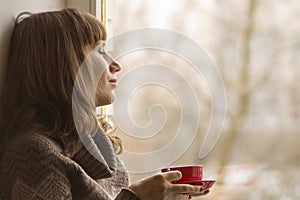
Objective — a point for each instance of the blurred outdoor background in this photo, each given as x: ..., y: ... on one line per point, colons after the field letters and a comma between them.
x: 256, y: 47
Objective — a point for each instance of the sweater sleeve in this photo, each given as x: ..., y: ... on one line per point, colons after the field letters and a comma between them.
x: 127, y: 194
x: 32, y: 172
x: 35, y: 169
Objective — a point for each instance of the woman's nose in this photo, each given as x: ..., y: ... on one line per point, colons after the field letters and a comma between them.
x: 114, y: 67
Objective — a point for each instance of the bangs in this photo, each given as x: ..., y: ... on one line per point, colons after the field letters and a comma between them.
x: 97, y: 30
x: 84, y: 27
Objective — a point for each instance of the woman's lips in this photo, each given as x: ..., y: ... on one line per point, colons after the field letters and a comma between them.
x: 113, y: 82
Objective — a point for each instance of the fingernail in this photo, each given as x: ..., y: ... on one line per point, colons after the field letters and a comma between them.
x: 201, y: 189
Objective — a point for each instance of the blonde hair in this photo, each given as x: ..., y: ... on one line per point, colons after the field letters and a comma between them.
x: 45, y: 55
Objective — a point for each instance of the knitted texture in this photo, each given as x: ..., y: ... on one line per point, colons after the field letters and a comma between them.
x: 33, y: 167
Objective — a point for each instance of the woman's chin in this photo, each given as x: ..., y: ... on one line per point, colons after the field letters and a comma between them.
x: 105, y: 102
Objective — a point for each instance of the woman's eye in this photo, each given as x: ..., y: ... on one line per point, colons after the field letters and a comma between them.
x: 101, y: 48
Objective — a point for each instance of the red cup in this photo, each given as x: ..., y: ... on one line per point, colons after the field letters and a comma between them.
x: 191, y: 173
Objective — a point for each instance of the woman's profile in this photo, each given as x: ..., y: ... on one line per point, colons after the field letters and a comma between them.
x: 52, y: 144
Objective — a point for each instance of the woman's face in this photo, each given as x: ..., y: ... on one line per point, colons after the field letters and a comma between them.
x: 108, y: 81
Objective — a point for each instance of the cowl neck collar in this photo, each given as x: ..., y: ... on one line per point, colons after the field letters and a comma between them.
x: 97, y: 156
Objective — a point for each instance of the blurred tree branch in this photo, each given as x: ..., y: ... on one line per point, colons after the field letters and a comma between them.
x: 243, y: 96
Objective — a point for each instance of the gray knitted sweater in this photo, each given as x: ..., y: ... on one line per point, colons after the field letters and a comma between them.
x: 33, y: 167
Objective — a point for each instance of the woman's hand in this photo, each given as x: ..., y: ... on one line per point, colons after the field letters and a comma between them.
x: 159, y: 187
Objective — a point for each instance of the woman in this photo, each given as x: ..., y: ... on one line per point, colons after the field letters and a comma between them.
x: 52, y: 146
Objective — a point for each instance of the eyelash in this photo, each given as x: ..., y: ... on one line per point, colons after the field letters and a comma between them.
x: 101, y: 49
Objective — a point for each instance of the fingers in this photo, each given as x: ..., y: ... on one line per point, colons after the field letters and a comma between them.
x: 172, y: 176
x: 200, y: 194
x: 176, y: 189
x: 192, y: 190
x: 182, y: 188
x: 185, y: 189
